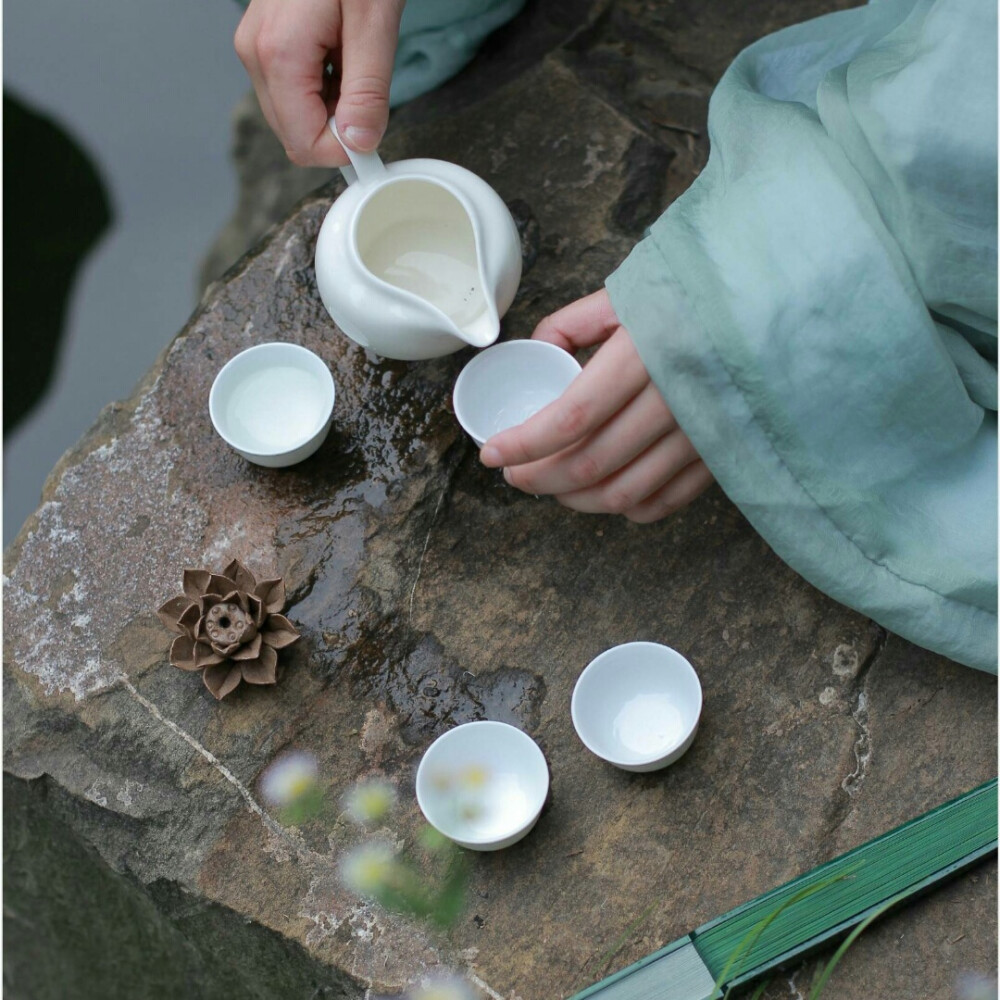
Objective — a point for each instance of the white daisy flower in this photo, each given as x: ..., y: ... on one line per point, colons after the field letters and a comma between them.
x: 445, y: 988
x: 368, y: 868
x: 370, y: 801
x: 976, y: 987
x: 289, y: 778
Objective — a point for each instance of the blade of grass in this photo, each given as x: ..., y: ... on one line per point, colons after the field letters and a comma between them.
x: 617, y: 945
x: 753, y: 935
x: 848, y: 941
x: 450, y: 900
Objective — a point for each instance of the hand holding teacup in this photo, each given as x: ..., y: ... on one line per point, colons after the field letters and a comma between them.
x: 609, y: 443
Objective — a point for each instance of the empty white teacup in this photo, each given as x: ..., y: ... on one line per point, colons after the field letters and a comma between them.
x: 637, y: 705
x: 483, y: 784
x: 273, y: 403
x: 506, y: 384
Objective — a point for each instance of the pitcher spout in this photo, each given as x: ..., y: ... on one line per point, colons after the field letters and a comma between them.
x: 478, y: 324
x: 484, y: 329
x: 433, y: 254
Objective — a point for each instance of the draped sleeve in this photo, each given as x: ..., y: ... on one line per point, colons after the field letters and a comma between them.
x: 819, y: 310
x: 438, y: 37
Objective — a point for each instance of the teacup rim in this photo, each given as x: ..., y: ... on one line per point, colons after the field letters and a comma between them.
x: 662, y: 754
x: 329, y: 397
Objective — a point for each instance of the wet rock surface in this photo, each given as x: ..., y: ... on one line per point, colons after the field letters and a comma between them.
x: 140, y: 858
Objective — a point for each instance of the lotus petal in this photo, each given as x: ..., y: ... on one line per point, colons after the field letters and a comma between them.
x: 206, y: 655
x: 249, y: 650
x: 182, y: 653
x: 171, y: 612
x: 221, y: 679
x: 263, y: 670
x: 189, y: 620
x: 279, y: 632
x: 221, y: 585
x: 196, y: 582
x: 245, y: 580
x: 272, y: 595
x: 257, y: 611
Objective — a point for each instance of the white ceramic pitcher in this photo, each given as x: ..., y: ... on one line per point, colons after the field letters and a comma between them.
x: 417, y: 259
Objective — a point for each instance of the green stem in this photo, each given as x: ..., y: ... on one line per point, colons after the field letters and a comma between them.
x: 753, y: 935
x: 848, y: 941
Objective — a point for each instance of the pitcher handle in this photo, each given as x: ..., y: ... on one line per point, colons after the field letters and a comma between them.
x: 365, y: 167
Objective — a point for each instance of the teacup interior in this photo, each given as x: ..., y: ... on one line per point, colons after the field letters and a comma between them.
x: 483, y: 809
x: 270, y: 401
x: 416, y: 235
x: 637, y: 703
x: 481, y: 783
x: 506, y: 384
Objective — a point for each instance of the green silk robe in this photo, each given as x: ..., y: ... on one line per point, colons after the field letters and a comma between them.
x: 819, y: 310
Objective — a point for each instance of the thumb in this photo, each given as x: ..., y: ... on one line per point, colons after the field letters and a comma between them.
x: 370, y: 34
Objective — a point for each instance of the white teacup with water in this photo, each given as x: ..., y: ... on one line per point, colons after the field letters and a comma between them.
x: 637, y: 705
x: 417, y: 259
x: 273, y: 403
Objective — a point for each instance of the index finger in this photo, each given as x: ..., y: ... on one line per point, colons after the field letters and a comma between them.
x: 294, y: 80
x: 612, y: 377
x: 580, y: 324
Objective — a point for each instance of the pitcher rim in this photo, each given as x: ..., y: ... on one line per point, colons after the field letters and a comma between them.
x: 409, y: 296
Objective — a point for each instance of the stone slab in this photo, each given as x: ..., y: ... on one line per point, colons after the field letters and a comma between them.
x: 429, y: 593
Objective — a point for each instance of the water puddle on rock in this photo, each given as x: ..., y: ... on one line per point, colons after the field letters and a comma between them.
x: 430, y: 693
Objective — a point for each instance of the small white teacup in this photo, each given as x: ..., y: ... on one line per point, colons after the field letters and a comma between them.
x: 483, y: 784
x: 637, y: 705
x: 506, y: 384
x: 273, y: 403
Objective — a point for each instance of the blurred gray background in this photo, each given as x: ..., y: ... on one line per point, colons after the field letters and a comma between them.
x: 146, y: 88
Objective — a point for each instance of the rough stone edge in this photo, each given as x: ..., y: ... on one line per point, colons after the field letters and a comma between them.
x: 219, y: 964
x: 114, y: 418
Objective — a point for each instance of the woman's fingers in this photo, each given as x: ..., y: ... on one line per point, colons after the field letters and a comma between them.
x: 687, y: 485
x: 245, y: 42
x: 610, y: 443
x: 644, y: 420
x: 610, y: 380
x: 631, y: 485
x: 286, y: 46
x: 582, y: 323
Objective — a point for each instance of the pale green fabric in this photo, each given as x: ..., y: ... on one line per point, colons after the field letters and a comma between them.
x: 819, y: 310
x: 438, y: 37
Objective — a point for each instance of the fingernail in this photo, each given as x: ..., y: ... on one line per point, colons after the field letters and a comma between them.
x: 362, y: 139
x: 506, y: 475
x: 490, y: 456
